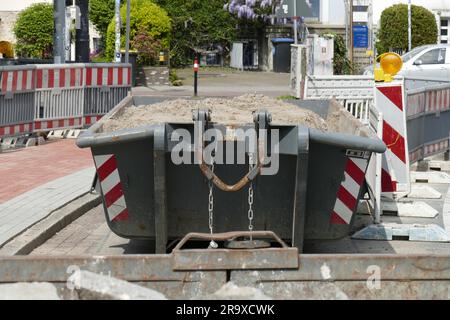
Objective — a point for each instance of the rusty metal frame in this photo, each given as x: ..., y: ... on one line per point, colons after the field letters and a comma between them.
x: 234, y: 259
x: 318, y: 276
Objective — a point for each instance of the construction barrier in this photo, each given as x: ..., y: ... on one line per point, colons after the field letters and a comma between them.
x: 428, y: 121
x: 390, y: 101
x: 52, y: 97
x: 59, y: 97
x: 17, y: 92
x: 106, y: 85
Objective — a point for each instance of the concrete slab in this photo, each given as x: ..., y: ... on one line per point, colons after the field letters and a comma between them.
x: 92, y: 286
x: 430, y: 177
x: 415, y: 232
x: 231, y: 291
x: 439, y: 165
x: 28, y: 291
x: 446, y: 212
x: 420, y: 191
x: 418, y: 209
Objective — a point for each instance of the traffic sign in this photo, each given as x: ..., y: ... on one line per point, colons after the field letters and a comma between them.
x: 360, y: 36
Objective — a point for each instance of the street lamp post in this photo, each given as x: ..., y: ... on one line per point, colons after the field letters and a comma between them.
x: 409, y: 26
x: 118, y: 56
x: 127, y: 43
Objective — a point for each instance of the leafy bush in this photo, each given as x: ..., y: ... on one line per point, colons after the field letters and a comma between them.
x: 147, y: 48
x: 34, y: 31
x: 146, y: 19
x: 393, y: 32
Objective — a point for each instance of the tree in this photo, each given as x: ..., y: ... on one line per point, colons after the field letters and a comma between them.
x: 393, y: 32
x: 148, y: 20
x: 100, y: 13
x: 196, y: 24
x: 34, y: 31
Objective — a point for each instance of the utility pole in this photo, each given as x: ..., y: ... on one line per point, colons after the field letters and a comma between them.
x: 127, y: 40
x: 117, y: 54
x: 351, y: 32
x: 295, y: 23
x: 409, y: 26
x: 59, y: 31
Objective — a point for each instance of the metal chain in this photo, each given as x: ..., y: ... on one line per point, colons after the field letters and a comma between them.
x: 250, y: 198
x: 212, y: 244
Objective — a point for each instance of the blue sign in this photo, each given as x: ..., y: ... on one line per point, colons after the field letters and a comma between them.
x: 360, y: 36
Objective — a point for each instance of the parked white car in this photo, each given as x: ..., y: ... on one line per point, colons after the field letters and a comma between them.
x: 430, y: 61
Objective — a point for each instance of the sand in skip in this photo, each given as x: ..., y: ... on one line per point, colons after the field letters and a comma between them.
x: 228, y: 111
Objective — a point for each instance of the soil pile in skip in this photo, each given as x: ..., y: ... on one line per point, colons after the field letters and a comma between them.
x: 228, y: 111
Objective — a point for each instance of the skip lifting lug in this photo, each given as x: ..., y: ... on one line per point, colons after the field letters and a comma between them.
x: 262, y: 121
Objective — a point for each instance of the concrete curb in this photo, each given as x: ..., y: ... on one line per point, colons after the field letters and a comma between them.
x: 36, y: 235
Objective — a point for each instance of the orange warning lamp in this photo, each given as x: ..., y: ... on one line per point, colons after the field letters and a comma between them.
x: 390, y: 64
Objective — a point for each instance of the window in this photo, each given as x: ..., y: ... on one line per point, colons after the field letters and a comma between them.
x: 444, y: 23
x: 444, y: 41
x: 444, y: 32
x: 436, y: 56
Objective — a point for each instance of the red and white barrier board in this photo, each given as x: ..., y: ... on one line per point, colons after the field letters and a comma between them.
x: 63, y: 76
x: 390, y: 101
x: 111, y: 186
x: 108, y: 76
x: 15, y: 81
x: 348, y: 194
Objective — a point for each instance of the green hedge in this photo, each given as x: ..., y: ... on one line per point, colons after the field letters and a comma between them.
x: 394, y: 28
x: 34, y: 32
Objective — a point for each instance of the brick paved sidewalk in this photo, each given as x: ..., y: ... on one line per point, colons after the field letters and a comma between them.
x: 25, y: 169
x: 37, y: 181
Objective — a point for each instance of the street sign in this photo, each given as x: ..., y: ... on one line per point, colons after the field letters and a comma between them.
x: 360, y: 36
x: 287, y: 8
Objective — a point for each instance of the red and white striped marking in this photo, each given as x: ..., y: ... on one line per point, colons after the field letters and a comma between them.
x: 17, y: 81
x: 112, y: 191
x: 437, y: 147
x: 89, y: 120
x: 57, y: 124
x: 18, y: 129
x: 416, y: 155
x: 389, y: 99
x: 348, y: 194
x: 108, y: 76
x: 438, y: 100
x: 59, y: 78
x: 416, y: 104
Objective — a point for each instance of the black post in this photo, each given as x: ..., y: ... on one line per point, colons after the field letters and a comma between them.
x: 196, y: 66
x: 82, y: 46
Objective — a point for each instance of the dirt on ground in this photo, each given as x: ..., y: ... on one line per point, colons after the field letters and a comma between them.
x: 228, y: 111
